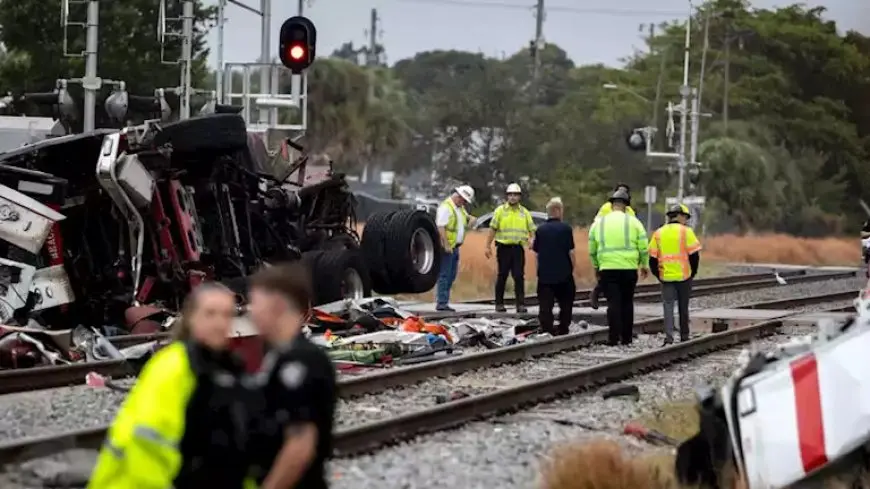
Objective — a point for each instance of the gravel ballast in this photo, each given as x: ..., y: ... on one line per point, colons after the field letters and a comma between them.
x: 506, y: 452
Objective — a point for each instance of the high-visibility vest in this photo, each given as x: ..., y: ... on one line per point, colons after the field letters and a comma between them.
x: 617, y: 241
x: 451, y: 229
x: 512, y: 224
x: 607, y: 207
x: 142, y: 448
x: 671, y: 245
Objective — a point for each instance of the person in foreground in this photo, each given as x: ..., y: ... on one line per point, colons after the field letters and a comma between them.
x: 511, y: 228
x: 292, y: 434
x: 453, y: 220
x: 605, y: 209
x: 554, y: 244
x: 674, y: 257
x: 618, y: 250
x: 180, y: 426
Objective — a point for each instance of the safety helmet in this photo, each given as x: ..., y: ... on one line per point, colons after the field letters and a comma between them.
x: 678, y: 209
x: 623, y: 185
x: 514, y: 189
x: 622, y: 195
x: 466, y: 192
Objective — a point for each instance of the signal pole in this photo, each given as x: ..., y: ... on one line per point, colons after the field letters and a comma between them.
x: 91, y: 82
x: 685, y: 92
x: 372, y: 58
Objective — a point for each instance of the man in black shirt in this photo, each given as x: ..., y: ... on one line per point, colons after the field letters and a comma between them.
x: 554, y: 244
x: 292, y: 426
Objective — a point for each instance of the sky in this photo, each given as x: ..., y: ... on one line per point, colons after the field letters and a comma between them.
x: 591, y: 31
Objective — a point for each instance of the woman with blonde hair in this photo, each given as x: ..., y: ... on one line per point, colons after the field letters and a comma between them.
x: 183, y: 424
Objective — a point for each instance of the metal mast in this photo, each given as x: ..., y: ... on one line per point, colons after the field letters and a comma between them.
x: 265, y: 55
x: 685, y: 93
x: 90, y: 82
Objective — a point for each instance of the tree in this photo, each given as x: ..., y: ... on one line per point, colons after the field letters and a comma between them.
x: 128, y: 46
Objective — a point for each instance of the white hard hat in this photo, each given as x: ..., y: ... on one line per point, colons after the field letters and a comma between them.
x: 466, y: 192
x: 514, y: 189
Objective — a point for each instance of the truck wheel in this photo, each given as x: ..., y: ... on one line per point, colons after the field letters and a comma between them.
x: 413, y: 251
x: 216, y: 132
x: 374, y: 239
x: 341, y: 274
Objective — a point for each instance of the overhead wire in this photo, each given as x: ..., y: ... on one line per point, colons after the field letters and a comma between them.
x: 552, y: 8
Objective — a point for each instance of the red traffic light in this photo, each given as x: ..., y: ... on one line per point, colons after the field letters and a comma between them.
x: 296, y: 52
x: 298, y: 41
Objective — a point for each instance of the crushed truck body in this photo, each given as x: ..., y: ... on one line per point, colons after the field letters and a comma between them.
x: 110, y: 229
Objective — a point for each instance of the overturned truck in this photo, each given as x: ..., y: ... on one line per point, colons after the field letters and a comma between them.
x: 93, y: 225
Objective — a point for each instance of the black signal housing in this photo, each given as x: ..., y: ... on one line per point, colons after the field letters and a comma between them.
x: 297, y: 43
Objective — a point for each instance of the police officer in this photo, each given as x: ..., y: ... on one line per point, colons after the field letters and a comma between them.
x: 618, y: 251
x: 292, y: 425
x: 179, y: 426
x: 674, y: 256
x: 452, y: 220
x: 513, y: 229
x: 603, y: 211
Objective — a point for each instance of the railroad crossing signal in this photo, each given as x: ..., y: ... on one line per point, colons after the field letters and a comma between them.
x: 298, y: 40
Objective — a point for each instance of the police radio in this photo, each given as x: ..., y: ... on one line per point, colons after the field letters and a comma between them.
x: 297, y: 42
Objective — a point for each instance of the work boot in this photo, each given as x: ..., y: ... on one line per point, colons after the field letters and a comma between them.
x: 500, y: 308
x: 522, y: 310
x: 668, y: 342
x: 444, y: 308
x: 593, y: 298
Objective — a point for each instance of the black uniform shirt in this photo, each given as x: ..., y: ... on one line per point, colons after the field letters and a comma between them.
x: 297, y: 386
x: 553, y: 243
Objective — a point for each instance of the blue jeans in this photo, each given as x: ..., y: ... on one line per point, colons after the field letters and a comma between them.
x: 446, y: 276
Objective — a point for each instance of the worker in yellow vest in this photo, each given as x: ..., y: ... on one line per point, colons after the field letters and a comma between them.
x: 605, y: 209
x: 674, y: 256
x: 618, y: 251
x: 453, y: 221
x: 512, y: 229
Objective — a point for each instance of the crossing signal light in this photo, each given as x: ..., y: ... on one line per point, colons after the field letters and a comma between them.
x: 298, y: 39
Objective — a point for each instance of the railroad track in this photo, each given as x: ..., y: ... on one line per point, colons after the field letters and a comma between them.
x: 40, y: 378
x: 583, y: 294
x: 371, y: 436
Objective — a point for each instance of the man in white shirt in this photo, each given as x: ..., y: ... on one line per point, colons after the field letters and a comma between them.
x: 453, y: 221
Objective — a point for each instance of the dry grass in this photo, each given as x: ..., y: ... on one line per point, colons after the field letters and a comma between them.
x: 477, y: 273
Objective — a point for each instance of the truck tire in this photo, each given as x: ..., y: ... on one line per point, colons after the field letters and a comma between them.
x: 413, y: 251
x: 340, y: 274
x: 215, y: 132
x: 374, y: 239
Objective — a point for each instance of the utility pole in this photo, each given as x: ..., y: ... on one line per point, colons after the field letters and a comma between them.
x: 685, y: 92
x: 91, y: 82
x: 725, y: 102
x: 539, y: 44
x: 372, y: 57
x: 219, y: 74
x: 265, y: 52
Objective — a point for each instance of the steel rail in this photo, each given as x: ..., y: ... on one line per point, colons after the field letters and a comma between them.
x: 583, y: 294
x: 39, y: 378
x: 371, y: 436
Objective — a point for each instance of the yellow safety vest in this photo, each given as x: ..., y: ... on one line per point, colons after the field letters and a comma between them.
x: 451, y: 229
x: 512, y: 225
x: 671, y: 245
x: 141, y: 450
x: 617, y: 241
x: 606, y: 208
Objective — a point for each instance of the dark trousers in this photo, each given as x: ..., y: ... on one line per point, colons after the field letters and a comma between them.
x: 679, y: 293
x: 618, y: 287
x: 562, y: 294
x: 511, y: 260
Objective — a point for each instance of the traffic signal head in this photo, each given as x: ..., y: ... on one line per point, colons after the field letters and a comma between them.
x: 298, y: 39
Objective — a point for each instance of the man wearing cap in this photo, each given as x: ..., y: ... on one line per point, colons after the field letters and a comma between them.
x: 453, y: 221
x: 674, y: 256
x: 603, y: 211
x: 554, y: 244
x: 618, y: 252
x: 512, y: 228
